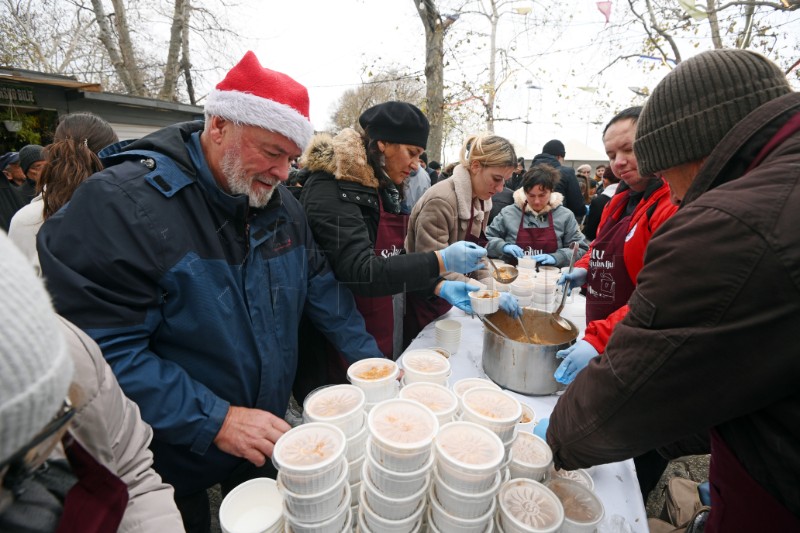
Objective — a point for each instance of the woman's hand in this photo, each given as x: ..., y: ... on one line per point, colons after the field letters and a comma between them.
x: 513, y: 249
x: 463, y: 257
x: 456, y: 293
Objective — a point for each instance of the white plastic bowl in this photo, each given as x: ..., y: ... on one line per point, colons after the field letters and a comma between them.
x: 493, y: 409
x: 463, y: 385
x: 254, y: 506
x: 376, y: 376
x: 468, y: 456
x: 583, y: 510
x: 310, y: 457
x: 484, y: 302
x: 340, y: 522
x: 532, y: 457
x: 464, y: 504
x: 392, y: 507
x: 355, y: 444
x: 375, y: 522
x: 354, y: 469
x: 425, y: 365
x: 399, y: 484
x: 527, y: 506
x: 340, y: 405
x: 438, y: 398
x: 402, y: 426
x: 528, y: 419
x: 364, y: 528
x: 450, y: 523
x: 579, y: 476
x: 526, y: 262
x: 315, y: 507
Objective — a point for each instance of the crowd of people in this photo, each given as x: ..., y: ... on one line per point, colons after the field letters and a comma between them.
x: 163, y: 298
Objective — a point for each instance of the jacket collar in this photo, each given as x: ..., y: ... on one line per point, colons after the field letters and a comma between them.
x: 520, y: 199
x: 462, y: 186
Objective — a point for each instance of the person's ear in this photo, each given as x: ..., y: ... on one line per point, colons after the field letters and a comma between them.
x: 381, y: 146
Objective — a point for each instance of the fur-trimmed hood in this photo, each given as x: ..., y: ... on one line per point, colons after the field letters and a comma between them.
x: 556, y: 199
x: 343, y: 156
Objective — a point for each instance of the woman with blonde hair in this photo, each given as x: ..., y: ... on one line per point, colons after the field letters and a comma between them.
x: 455, y: 210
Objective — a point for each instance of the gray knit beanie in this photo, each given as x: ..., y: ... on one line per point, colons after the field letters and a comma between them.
x: 698, y: 103
x: 35, y: 367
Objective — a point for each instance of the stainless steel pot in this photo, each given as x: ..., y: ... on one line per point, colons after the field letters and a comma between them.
x: 518, y: 365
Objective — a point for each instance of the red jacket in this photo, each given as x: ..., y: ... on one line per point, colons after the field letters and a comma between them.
x: 652, y: 211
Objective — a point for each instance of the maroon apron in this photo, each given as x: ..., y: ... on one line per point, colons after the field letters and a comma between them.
x: 97, y: 502
x: 738, y: 502
x: 535, y: 241
x: 609, y: 285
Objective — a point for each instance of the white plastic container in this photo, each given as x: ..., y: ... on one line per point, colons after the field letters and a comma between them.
x: 463, y: 385
x: 401, y: 434
x: 527, y: 506
x: 448, y: 334
x: 310, y: 457
x: 355, y: 444
x: 445, y: 521
x: 354, y: 469
x: 376, y: 376
x: 528, y: 419
x: 369, y: 520
x: 339, y: 405
x: 339, y: 523
x: 583, y: 510
x: 355, y: 492
x: 392, y: 483
x: 254, y: 506
x: 579, y: 476
x: 532, y: 458
x: 526, y: 262
x: 484, y: 302
x: 392, y: 507
x: 493, y: 409
x: 464, y: 504
x: 316, y: 507
x: 468, y: 456
x: 425, y: 366
x: 439, y: 399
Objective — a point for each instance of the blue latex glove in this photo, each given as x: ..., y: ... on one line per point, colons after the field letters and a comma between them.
x: 544, y: 259
x: 540, y: 430
x: 457, y: 293
x: 576, y: 279
x: 513, y: 249
x: 575, y: 358
x: 510, y: 305
x: 463, y: 257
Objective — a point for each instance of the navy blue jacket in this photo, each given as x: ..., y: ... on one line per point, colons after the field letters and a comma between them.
x: 194, y: 297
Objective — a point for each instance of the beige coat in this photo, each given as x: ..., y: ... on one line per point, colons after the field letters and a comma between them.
x: 442, y: 215
x: 108, y: 425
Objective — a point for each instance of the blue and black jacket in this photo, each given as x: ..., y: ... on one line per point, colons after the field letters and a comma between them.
x: 193, y: 296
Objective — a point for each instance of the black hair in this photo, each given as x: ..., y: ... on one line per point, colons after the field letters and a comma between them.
x: 631, y: 113
x: 543, y: 175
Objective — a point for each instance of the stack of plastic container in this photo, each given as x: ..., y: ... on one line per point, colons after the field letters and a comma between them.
x: 527, y: 506
x: 544, y: 288
x: 583, y: 510
x: 425, y: 366
x: 522, y: 288
x: 463, y: 385
x: 313, y: 479
x: 495, y: 410
x: 441, y: 400
x: 397, y: 469
x: 377, y: 377
x: 343, y: 407
x: 465, y: 480
x: 531, y: 458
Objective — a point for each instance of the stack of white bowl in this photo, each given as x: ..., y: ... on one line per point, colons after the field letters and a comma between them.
x: 463, y: 385
x: 465, y: 480
x: 544, y: 288
x: 448, y: 334
x: 583, y: 510
x: 522, y: 288
x: 377, y: 377
x: 425, y: 366
x: 531, y: 458
x: 343, y: 407
x: 441, y: 400
x: 312, y: 476
x: 255, y: 505
x: 495, y: 410
x: 527, y: 506
x: 396, y: 476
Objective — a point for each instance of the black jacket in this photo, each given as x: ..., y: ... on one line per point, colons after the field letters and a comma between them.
x: 567, y: 185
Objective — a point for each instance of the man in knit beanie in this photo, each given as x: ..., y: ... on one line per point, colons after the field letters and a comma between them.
x: 708, y: 346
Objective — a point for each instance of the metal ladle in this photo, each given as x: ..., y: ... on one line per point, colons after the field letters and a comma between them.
x: 495, y: 328
x: 556, y: 315
x: 511, y: 273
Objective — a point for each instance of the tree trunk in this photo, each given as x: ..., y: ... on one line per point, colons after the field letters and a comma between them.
x: 126, y: 48
x: 171, y: 70
x: 186, y: 65
x: 713, y: 22
x: 110, y: 46
x: 434, y: 73
x: 492, y: 88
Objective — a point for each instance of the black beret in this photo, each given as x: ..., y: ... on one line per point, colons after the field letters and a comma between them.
x: 396, y: 122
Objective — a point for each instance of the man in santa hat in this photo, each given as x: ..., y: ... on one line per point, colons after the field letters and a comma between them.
x: 190, y: 265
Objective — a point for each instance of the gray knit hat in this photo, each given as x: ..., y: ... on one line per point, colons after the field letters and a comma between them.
x: 29, y: 155
x: 698, y: 103
x: 35, y: 367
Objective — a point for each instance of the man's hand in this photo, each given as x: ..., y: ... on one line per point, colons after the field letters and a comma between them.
x: 250, y: 433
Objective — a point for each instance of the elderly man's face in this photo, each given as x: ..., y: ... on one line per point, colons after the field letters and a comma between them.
x: 14, y: 173
x: 680, y: 178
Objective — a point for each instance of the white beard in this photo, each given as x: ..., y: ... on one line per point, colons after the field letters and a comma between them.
x: 240, y: 183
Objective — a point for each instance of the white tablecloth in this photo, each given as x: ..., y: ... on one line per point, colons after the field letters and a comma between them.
x: 615, y: 483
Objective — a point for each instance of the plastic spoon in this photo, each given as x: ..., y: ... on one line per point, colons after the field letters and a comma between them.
x: 556, y: 315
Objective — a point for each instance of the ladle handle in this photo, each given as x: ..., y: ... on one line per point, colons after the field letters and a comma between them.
x: 495, y: 328
x: 572, y: 259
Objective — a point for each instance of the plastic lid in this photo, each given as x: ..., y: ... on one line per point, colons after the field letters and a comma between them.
x: 463, y: 385
x: 530, y: 504
x: 334, y: 402
x: 310, y: 447
x: 528, y: 449
x: 492, y: 404
x: 403, y: 424
x: 470, y: 446
x: 374, y: 369
x: 435, y: 397
x: 580, y: 504
x: 579, y: 476
x: 426, y: 362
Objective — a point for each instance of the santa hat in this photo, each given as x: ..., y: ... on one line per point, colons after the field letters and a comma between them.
x: 254, y: 95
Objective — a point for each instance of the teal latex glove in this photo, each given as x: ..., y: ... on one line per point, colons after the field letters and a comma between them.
x: 510, y: 305
x: 575, y: 358
x: 576, y: 279
x: 513, y: 249
x: 544, y: 259
x: 541, y: 428
x: 457, y: 293
x: 463, y: 257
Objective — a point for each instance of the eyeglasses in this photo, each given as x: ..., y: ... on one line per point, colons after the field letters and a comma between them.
x: 18, y: 468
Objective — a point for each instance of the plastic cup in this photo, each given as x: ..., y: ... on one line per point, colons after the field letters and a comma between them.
x: 255, y: 506
x: 464, y: 504
x: 392, y: 507
x: 340, y: 405
x: 528, y: 419
x: 376, y: 376
x: 392, y: 483
x: 401, y: 434
x: 439, y: 399
x: 448, y: 334
x: 532, y: 458
x: 446, y: 521
x: 583, y: 510
x: 493, y: 409
x: 316, y: 507
x: 310, y: 457
x: 580, y: 476
x: 485, y: 301
x: 468, y: 456
x: 425, y: 366
x: 528, y: 506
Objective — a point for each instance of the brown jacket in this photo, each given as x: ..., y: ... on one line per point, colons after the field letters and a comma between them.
x: 441, y: 217
x: 710, y: 339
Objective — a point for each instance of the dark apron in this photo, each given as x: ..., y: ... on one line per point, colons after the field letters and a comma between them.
x: 535, y: 241
x: 609, y: 284
x: 97, y: 502
x: 738, y: 502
